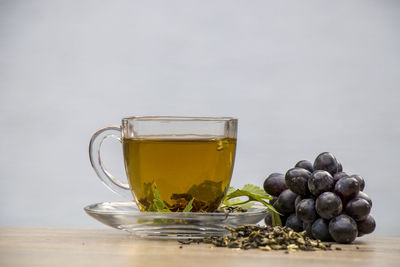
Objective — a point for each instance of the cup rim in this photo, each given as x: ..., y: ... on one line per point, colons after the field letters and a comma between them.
x: 178, y: 118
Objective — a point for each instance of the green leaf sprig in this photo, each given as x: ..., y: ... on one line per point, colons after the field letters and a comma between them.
x: 233, y: 198
x: 253, y: 194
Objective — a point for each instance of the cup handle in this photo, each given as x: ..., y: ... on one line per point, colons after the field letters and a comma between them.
x: 95, y: 159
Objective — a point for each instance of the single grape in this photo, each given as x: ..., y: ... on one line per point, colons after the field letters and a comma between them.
x: 358, y: 209
x: 366, y: 226
x: 339, y: 167
x: 285, y: 202
x: 360, y: 180
x: 364, y: 196
x: 339, y: 175
x: 297, y: 179
x: 294, y: 223
x: 305, y: 164
x: 305, y: 210
x: 275, y: 184
x: 298, y: 199
x: 347, y: 188
x: 319, y: 182
x: 328, y: 205
x: 320, y: 230
x: 343, y: 229
x: 327, y: 162
x: 268, y: 218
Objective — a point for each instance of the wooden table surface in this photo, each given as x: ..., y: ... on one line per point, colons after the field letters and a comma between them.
x: 20, y: 246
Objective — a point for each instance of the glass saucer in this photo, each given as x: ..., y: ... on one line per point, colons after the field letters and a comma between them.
x: 170, y: 225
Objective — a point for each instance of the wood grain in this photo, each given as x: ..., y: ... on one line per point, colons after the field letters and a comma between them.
x: 109, y: 247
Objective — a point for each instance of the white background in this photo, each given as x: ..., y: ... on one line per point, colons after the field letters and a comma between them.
x: 302, y: 77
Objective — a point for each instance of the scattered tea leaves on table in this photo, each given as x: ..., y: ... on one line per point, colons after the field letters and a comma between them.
x: 265, y: 238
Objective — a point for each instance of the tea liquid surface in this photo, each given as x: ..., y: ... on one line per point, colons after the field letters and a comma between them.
x: 182, y: 169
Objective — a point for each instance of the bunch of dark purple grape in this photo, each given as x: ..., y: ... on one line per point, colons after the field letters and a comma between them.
x: 322, y: 200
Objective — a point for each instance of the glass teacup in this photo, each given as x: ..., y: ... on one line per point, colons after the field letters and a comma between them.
x: 171, y: 162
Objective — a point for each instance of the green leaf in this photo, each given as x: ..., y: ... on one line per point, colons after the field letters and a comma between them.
x: 230, y: 190
x: 253, y: 194
x: 256, y: 191
x: 244, y: 193
x: 189, y: 206
x: 152, y: 208
x: 276, y: 219
x: 240, y: 203
x: 158, y: 203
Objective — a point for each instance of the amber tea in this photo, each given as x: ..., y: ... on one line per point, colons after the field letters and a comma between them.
x: 183, y: 169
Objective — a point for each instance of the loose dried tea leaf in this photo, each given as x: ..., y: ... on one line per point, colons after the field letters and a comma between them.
x: 233, y: 209
x: 237, y: 202
x: 189, y: 241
